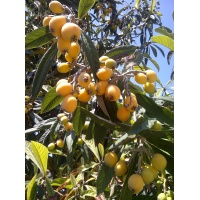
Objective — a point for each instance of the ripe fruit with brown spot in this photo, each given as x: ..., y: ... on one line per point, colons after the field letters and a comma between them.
x: 68, y: 126
x: 123, y: 114
x: 110, y: 159
x: 63, y: 67
x: 110, y: 63
x: 84, y: 96
x: 46, y: 20
x: 51, y: 146
x: 70, y: 32
x: 91, y: 88
x: 55, y: 25
x: 104, y: 73
x: 147, y: 175
x: 64, y: 88
x: 102, y: 60
x: 136, y: 183
x: 101, y: 87
x: 63, y: 45
x: 112, y: 93
x: 159, y: 162
x: 60, y: 143
x: 120, y: 168
x: 151, y: 76
x: 131, y: 103
x: 56, y: 7
x: 69, y: 103
x: 140, y: 78
x: 149, y: 88
x: 74, y: 50
x: 84, y: 79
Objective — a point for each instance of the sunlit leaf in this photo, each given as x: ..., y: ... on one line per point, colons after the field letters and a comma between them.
x: 84, y: 6
x: 137, y: 4
x: 164, y: 40
x: 145, y: 55
x: 153, y: 2
x: 32, y: 189
x: 165, y: 31
x: 38, y: 153
x: 50, y: 190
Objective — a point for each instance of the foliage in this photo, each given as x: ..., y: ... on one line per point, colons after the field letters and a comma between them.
x: 125, y: 33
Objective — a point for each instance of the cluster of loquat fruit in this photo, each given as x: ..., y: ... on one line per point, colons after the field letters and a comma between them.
x: 148, y: 172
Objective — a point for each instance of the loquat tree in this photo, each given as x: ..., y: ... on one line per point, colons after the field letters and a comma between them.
x: 99, y: 123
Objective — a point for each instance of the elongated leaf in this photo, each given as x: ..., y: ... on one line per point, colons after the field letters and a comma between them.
x: 100, y: 133
x: 137, y: 4
x: 165, y: 98
x: 169, y: 56
x: 50, y: 190
x: 104, y: 177
x: 145, y: 197
x: 90, y: 192
x: 37, y: 38
x: 118, y: 142
x: 165, y: 31
x: 57, y: 152
x: 38, y: 153
x: 42, y: 70
x: 51, y: 100
x: 153, y: 2
x: 32, y: 189
x: 164, y: 115
x: 120, y: 52
x: 79, y: 118
x: 84, y: 6
x: 161, y: 51
x: 91, y: 54
x: 164, y: 40
x: 153, y: 61
x: 91, y: 145
x: 73, y: 180
x: 154, y: 51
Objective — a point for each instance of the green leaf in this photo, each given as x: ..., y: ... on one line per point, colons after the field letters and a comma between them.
x: 50, y: 190
x: 165, y: 98
x: 42, y: 70
x: 73, y: 180
x: 91, y: 54
x: 104, y: 177
x: 57, y: 152
x: 153, y: 61
x: 164, y: 40
x: 165, y: 31
x: 38, y: 37
x: 154, y: 51
x: 89, y: 192
x: 120, y: 52
x: 144, y: 197
x: 32, y: 189
x: 79, y: 118
x: 164, y: 115
x: 137, y: 4
x: 161, y: 51
x: 38, y: 153
x: 118, y: 142
x: 91, y: 145
x: 84, y: 6
x: 153, y: 2
x: 50, y: 101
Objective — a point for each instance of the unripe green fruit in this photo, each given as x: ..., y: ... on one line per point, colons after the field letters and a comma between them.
x: 27, y: 98
x: 79, y: 141
x: 120, y: 168
x: 51, y: 146
x: 161, y: 196
x: 136, y: 183
x: 157, y: 126
x: 110, y: 159
x: 158, y: 161
x: 147, y: 175
x: 149, y: 88
x: 64, y: 120
x: 110, y: 63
